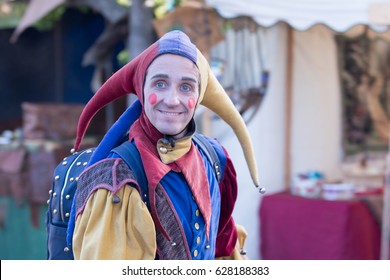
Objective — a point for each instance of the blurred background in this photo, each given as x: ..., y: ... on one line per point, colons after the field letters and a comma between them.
x: 310, y: 79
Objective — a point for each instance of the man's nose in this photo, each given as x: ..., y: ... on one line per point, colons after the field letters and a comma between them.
x: 172, y: 98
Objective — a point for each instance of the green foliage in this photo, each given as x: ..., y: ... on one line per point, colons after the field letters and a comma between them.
x: 123, y: 57
x: 162, y: 7
x: 176, y: 3
x: 48, y: 21
x: 15, y: 11
x: 125, y: 3
x: 11, y: 18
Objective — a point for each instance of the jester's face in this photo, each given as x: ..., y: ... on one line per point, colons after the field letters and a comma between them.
x: 171, y: 92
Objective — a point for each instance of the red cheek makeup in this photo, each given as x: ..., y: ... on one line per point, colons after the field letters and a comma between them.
x: 191, y: 103
x: 152, y: 99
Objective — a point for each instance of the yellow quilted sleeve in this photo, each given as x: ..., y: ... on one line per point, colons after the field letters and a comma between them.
x: 115, y: 231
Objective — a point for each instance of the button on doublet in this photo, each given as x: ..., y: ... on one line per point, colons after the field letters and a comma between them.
x: 115, y: 199
x: 163, y: 150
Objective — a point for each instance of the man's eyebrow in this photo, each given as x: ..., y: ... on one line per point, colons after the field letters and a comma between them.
x: 189, y: 79
x: 165, y: 76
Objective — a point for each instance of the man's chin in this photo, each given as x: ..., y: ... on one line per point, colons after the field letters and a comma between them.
x: 172, y: 130
x: 168, y: 131
x: 175, y: 134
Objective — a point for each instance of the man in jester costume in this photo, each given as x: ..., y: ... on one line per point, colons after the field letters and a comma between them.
x: 190, y: 215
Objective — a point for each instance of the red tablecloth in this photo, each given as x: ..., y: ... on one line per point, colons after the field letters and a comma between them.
x: 293, y: 227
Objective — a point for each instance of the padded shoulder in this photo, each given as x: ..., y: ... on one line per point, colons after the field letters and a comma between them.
x: 111, y: 174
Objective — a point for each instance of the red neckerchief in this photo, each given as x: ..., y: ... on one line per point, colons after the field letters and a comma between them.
x: 191, y: 165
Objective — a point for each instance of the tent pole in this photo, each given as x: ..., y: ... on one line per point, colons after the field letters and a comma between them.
x: 288, y: 116
x: 385, y: 236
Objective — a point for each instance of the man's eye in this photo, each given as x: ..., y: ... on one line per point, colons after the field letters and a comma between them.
x: 186, y: 88
x: 160, y: 84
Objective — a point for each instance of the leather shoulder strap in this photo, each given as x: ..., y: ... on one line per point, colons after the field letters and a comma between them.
x: 210, y: 153
x: 130, y: 154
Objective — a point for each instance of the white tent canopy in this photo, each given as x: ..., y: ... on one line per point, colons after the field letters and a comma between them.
x: 339, y: 15
x: 315, y: 120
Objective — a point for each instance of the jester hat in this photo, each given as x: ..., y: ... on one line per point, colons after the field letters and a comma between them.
x: 130, y: 79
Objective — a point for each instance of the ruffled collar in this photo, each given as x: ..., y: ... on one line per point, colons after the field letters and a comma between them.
x: 168, y: 149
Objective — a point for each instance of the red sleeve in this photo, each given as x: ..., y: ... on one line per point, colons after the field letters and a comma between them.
x: 227, y: 234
